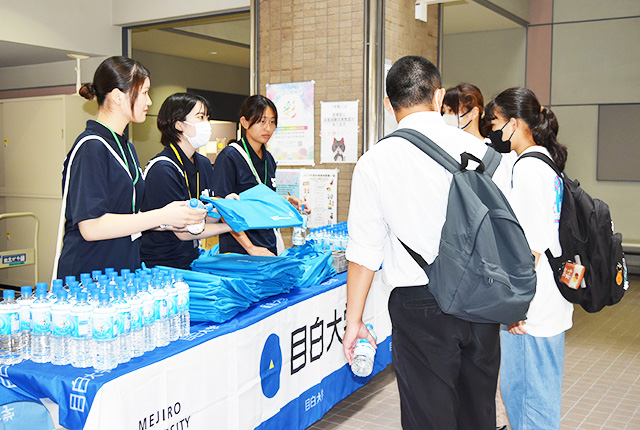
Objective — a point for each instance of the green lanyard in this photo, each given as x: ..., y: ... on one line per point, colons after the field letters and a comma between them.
x: 185, y: 173
x: 253, y: 169
x: 135, y: 181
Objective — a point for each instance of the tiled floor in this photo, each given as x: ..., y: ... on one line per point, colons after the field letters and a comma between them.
x: 601, y: 387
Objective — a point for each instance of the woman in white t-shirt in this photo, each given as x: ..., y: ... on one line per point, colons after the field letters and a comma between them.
x: 533, y: 350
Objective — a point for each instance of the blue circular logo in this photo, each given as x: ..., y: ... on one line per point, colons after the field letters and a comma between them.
x: 271, y: 366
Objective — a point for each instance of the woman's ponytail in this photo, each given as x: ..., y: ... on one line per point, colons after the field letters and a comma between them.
x: 545, y: 133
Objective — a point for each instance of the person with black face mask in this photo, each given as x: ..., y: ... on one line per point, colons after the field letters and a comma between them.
x: 533, y: 350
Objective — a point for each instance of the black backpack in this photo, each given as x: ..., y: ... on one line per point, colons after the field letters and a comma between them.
x: 587, y: 237
x: 484, y: 271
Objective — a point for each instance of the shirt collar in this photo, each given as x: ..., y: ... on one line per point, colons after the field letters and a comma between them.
x: 419, y: 119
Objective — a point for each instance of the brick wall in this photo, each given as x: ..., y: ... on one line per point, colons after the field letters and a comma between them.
x: 303, y: 40
x: 404, y: 35
x: 323, y: 41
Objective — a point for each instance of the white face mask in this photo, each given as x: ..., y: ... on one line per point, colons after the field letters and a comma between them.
x: 203, y: 134
x: 451, y: 119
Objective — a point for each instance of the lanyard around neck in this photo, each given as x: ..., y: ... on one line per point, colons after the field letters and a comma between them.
x: 253, y: 169
x: 124, y: 157
x: 186, y: 178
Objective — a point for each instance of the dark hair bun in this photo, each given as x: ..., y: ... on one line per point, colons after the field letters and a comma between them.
x: 88, y: 91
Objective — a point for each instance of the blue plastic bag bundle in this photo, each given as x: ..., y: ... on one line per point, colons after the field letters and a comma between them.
x: 259, y: 207
x: 217, y: 311
x: 314, y: 261
x: 215, y: 298
x: 267, y: 275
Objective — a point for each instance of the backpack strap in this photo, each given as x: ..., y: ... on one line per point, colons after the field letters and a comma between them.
x: 543, y: 157
x: 417, y: 258
x: 491, y: 160
x: 429, y: 147
x: 488, y: 164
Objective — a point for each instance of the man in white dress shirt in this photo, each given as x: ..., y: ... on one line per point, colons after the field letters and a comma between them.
x: 446, y: 367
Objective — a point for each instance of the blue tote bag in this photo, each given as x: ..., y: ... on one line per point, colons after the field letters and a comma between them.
x: 259, y: 207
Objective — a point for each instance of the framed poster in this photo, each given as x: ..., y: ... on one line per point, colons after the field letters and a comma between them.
x: 339, y: 132
x: 292, y: 142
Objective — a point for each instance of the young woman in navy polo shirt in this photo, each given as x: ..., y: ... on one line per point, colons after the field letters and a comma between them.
x: 245, y: 164
x: 179, y: 173
x: 102, y: 180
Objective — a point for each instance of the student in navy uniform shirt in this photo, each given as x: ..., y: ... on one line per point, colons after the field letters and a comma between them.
x: 245, y: 164
x: 179, y: 173
x: 102, y: 180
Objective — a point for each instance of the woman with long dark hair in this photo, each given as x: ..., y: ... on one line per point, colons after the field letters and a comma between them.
x: 533, y: 350
x: 102, y: 180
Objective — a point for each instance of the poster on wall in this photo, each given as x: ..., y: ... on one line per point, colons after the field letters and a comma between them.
x: 339, y: 132
x: 292, y: 143
x: 318, y: 187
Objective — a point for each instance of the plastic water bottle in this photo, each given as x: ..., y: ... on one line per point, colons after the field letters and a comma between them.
x: 81, y: 349
x: 104, y: 334
x: 161, y: 314
x: 148, y: 317
x: 41, y: 327
x: 363, y: 356
x: 137, y: 334
x: 195, y: 228
x: 68, y: 280
x: 124, y: 347
x: 299, y: 236
x: 183, y: 305
x: 24, y: 301
x: 60, y: 329
x: 172, y: 309
x: 10, y: 333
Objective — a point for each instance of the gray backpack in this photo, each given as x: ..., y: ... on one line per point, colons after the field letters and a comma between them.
x: 484, y: 271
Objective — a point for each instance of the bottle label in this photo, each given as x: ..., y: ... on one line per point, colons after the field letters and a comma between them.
x: 172, y: 305
x: 148, y: 313
x: 123, y: 323
x: 103, y: 327
x: 160, y: 309
x: 40, y: 321
x: 9, y: 322
x: 81, y: 326
x: 60, y: 324
x: 25, y: 318
x: 136, y: 318
x: 363, y: 347
x: 183, y: 302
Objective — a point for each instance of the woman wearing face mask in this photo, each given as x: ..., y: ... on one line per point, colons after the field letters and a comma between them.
x: 179, y: 173
x: 533, y: 350
x: 102, y: 180
x: 243, y: 165
x: 462, y: 107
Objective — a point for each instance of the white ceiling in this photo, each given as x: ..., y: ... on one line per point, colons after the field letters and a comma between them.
x: 468, y: 16
x: 226, y: 40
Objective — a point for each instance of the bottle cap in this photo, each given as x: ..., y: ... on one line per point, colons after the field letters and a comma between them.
x: 8, y: 294
x: 82, y: 296
x: 56, y: 282
x: 25, y: 291
x: 193, y: 203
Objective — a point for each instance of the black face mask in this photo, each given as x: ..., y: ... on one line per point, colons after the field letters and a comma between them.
x: 503, y: 146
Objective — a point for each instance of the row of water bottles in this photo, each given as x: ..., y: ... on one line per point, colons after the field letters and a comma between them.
x: 101, y: 321
x: 330, y: 237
